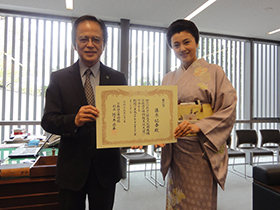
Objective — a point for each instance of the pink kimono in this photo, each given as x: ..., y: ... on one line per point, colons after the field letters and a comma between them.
x: 195, y: 164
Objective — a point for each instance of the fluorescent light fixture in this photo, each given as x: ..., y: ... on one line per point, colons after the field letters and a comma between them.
x: 200, y: 9
x: 69, y: 4
x: 273, y: 32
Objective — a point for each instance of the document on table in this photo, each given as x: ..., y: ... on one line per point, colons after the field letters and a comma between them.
x: 136, y: 115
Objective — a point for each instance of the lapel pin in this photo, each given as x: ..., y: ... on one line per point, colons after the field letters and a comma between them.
x: 107, y: 77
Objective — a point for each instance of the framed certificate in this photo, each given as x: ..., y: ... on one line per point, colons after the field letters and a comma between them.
x: 136, y: 115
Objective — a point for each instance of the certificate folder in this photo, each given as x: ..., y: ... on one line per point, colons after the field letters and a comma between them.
x: 44, y: 166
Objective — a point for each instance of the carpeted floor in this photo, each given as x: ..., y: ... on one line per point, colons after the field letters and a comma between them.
x: 144, y: 196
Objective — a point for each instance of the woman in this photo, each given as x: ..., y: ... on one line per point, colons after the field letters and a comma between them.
x: 196, y: 163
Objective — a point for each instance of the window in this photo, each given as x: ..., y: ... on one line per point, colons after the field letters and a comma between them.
x: 266, y: 81
x: 30, y: 49
x: 230, y: 55
x: 257, y: 90
x: 147, y: 56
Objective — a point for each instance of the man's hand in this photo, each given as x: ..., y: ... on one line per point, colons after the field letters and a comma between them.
x: 185, y: 128
x: 86, y: 113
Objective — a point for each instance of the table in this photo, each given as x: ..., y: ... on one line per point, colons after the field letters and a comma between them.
x: 27, y: 193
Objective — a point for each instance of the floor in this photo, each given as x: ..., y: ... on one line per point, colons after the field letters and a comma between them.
x: 144, y: 196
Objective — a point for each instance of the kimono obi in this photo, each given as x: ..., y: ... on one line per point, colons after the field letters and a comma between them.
x: 193, y: 113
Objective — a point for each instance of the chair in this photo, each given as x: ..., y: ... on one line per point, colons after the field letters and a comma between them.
x: 247, y: 141
x: 271, y: 141
x: 135, y: 157
x: 233, y: 153
x: 157, y: 154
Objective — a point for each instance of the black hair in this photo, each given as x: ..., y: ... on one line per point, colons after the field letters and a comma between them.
x: 89, y: 18
x: 179, y: 26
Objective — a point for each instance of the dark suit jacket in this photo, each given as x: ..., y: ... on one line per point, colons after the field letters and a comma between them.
x: 64, y: 97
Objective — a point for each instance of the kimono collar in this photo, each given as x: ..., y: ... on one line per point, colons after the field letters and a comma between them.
x: 183, y: 68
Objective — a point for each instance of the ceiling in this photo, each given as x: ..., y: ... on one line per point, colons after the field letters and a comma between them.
x: 245, y: 18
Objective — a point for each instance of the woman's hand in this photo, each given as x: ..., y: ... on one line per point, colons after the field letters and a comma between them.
x: 137, y: 147
x: 185, y: 128
x: 159, y: 145
x: 141, y: 147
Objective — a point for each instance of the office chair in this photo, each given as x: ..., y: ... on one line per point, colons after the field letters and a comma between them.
x: 131, y: 157
x: 233, y: 153
x: 271, y: 141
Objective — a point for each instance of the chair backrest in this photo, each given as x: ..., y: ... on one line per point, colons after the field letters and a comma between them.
x: 128, y: 149
x: 125, y: 149
x: 229, y: 141
x: 157, y: 151
x: 246, y: 137
x: 270, y: 136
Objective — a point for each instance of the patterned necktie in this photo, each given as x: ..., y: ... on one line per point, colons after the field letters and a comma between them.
x: 88, y: 89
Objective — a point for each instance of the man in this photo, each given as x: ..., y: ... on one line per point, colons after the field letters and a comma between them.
x: 81, y: 168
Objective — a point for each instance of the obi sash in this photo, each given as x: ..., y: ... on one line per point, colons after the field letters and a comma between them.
x: 193, y: 113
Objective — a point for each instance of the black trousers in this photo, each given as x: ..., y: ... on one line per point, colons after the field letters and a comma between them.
x: 98, y: 196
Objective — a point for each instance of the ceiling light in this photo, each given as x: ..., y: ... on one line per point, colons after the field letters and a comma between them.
x: 200, y: 9
x: 69, y: 4
x: 273, y: 32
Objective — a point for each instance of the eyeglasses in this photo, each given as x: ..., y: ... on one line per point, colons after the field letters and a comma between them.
x: 85, y: 39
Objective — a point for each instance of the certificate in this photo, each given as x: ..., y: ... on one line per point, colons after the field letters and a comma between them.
x: 135, y: 115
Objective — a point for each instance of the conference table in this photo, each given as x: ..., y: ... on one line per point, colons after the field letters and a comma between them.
x: 28, y: 183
